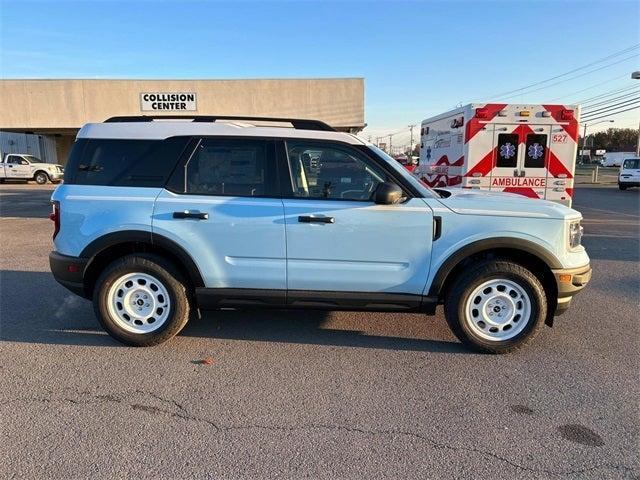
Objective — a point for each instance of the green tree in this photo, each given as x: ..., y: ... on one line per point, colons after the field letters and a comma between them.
x: 614, y: 140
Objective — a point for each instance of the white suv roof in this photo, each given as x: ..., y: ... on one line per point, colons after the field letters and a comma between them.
x: 159, y: 128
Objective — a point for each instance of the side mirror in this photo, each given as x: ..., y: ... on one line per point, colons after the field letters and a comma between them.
x: 388, y: 193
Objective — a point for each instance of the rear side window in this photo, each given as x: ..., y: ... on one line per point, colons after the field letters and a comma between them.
x: 507, y: 150
x: 124, y: 163
x: 229, y: 167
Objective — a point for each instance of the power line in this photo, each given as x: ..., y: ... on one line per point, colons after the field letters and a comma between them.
x: 608, y: 109
x: 623, y: 104
x: 572, y: 78
x: 613, y: 55
x: 604, y: 102
x: 614, y: 114
x: 607, y: 94
x: 624, y: 75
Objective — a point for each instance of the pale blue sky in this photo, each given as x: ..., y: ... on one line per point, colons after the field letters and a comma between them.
x: 418, y: 58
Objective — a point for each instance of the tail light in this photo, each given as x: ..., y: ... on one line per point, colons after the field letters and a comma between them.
x: 482, y: 113
x: 54, y: 216
x: 566, y: 115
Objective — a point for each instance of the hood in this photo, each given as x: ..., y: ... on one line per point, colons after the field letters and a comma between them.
x: 480, y: 202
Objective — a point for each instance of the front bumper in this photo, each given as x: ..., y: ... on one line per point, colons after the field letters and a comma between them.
x: 55, y: 176
x: 69, y: 272
x: 569, y: 282
x: 628, y: 183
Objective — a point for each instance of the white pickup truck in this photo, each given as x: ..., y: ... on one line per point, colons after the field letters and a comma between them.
x: 16, y: 166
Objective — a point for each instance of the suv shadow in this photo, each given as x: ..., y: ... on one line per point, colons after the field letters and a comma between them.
x: 31, y: 312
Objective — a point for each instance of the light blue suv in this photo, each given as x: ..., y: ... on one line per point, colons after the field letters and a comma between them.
x: 158, y: 218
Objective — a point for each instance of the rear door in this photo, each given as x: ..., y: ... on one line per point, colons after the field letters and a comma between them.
x: 222, y: 205
x: 521, y: 153
x: 534, y: 145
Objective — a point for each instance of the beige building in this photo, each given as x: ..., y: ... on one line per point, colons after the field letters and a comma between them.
x: 55, y: 109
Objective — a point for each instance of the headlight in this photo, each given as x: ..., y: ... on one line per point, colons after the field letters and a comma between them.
x: 575, y: 234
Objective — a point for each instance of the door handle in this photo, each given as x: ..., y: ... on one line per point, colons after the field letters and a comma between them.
x: 310, y: 219
x: 194, y: 215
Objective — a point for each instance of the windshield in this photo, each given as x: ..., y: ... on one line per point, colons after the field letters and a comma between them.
x: 426, y: 191
x: 31, y: 159
x: 631, y: 163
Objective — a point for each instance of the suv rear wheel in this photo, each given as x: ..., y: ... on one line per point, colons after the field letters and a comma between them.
x: 141, y: 300
x: 496, y: 307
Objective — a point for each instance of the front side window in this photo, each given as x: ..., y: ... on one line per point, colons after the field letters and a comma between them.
x: 535, y: 151
x: 228, y: 167
x: 507, y: 150
x: 17, y: 160
x: 332, y: 172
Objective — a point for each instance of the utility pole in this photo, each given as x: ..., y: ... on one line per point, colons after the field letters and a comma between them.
x: 411, y: 141
x: 390, y: 144
x: 584, y: 141
x: 636, y: 76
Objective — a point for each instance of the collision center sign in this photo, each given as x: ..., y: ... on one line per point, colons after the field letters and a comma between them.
x: 168, y: 101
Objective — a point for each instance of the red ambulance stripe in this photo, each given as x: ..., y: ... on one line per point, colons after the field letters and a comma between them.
x: 484, y: 166
x: 571, y: 128
x: 444, y: 160
x: 474, y: 125
x: 522, y: 131
x: 556, y: 167
x: 569, y: 191
x: 459, y: 162
x: 527, y: 192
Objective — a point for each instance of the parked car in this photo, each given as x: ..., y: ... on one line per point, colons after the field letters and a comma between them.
x: 27, y: 167
x: 157, y: 219
x: 629, y: 175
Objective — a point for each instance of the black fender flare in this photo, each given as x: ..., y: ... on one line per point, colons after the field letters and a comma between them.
x: 109, y: 240
x: 489, y: 244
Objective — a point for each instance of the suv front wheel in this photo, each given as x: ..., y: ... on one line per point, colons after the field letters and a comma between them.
x: 496, y: 306
x: 141, y: 300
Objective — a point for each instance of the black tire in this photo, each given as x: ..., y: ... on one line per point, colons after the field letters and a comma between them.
x: 172, y: 281
x: 465, y: 284
x: 622, y: 187
x: 41, y: 178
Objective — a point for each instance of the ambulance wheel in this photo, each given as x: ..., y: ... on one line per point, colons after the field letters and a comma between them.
x: 496, y: 306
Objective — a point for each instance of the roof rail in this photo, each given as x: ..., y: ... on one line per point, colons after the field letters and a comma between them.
x: 297, y: 123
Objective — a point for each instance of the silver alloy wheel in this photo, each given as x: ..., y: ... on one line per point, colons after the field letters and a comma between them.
x: 498, y: 310
x: 41, y: 178
x: 138, y: 302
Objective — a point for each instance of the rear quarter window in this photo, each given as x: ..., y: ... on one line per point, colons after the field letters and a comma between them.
x: 123, y: 163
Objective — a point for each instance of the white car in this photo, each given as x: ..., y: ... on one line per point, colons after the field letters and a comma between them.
x: 629, y: 175
x: 27, y: 167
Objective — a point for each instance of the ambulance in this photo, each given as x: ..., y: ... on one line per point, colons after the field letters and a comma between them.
x: 525, y: 149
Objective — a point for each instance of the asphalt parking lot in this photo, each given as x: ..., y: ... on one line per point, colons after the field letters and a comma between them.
x: 317, y: 395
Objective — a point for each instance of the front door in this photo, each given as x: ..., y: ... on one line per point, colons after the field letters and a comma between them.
x: 223, y: 206
x: 17, y: 167
x: 338, y: 239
